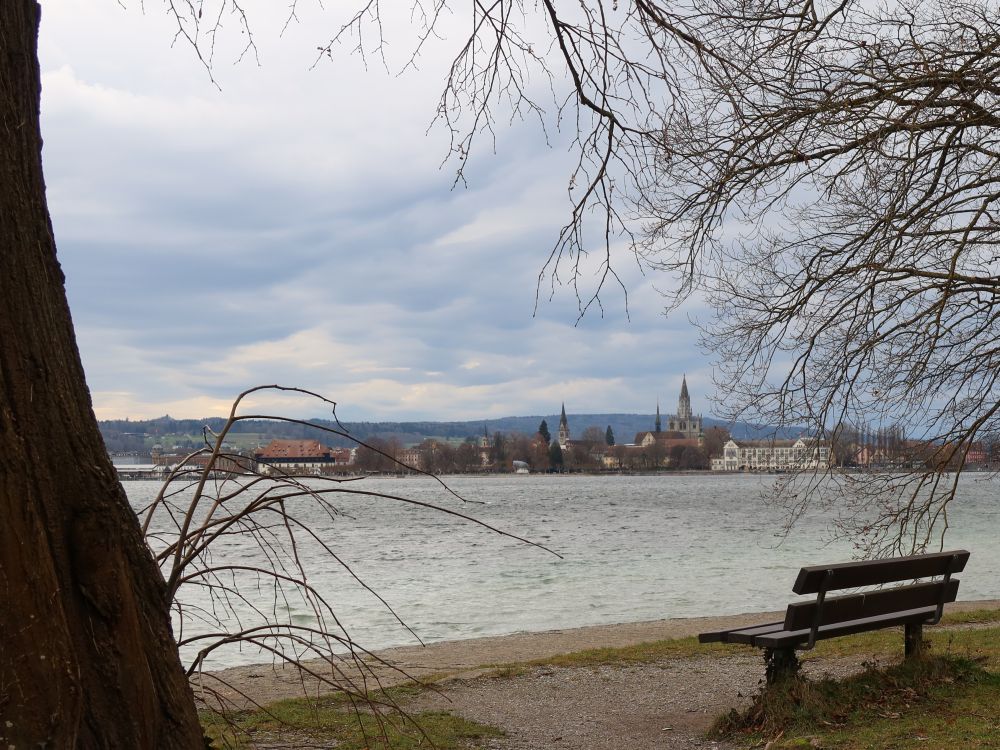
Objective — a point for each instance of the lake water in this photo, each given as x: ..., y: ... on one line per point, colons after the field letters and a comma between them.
x: 633, y: 548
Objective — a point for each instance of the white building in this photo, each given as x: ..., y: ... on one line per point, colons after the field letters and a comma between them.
x: 773, y: 455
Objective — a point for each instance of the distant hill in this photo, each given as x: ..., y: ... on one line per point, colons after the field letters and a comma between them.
x: 139, y: 435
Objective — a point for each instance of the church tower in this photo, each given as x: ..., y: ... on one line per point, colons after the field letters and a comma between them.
x: 684, y: 402
x: 684, y: 421
x: 563, y: 429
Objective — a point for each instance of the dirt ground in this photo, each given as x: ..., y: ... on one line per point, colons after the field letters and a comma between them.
x: 265, y: 683
x: 664, y: 705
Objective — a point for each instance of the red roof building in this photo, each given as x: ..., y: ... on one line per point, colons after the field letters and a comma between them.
x: 298, y: 456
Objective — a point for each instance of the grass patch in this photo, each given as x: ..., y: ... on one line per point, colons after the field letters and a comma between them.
x: 971, y: 616
x: 333, y: 720
x: 938, y: 702
x: 638, y: 654
x: 945, y: 700
x: 506, y: 671
x: 878, y: 643
x: 981, y: 644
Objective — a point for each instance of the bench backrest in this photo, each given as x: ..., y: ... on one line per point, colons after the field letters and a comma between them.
x: 802, y: 615
x: 818, y: 579
x: 874, y: 572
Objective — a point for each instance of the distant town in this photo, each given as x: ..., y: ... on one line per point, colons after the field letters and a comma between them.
x: 674, y: 442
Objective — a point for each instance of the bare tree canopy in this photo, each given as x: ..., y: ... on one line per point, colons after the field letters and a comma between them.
x: 831, y: 186
x: 823, y: 175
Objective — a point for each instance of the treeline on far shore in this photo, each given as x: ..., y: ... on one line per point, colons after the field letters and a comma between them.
x: 596, y: 450
x: 139, y: 436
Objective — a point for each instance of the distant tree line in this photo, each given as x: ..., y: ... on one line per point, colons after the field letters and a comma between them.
x: 887, y: 446
x: 540, y: 452
x: 140, y: 435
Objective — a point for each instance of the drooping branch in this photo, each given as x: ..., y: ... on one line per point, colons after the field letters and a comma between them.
x: 231, y: 540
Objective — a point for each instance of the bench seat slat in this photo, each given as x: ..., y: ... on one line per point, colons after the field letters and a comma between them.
x: 785, y: 638
x: 750, y: 635
x: 726, y: 636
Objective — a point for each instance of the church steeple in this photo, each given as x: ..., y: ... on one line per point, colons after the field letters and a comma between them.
x: 563, y: 428
x: 684, y: 402
x: 659, y: 425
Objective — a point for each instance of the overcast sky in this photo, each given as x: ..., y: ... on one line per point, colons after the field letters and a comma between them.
x: 298, y: 227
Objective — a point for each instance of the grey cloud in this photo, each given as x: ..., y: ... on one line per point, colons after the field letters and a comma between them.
x: 299, y: 230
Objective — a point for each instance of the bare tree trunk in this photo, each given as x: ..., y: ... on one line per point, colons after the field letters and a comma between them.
x: 87, y: 657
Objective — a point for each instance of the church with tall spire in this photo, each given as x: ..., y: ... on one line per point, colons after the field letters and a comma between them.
x: 684, y: 421
x: 563, y: 429
x: 682, y: 428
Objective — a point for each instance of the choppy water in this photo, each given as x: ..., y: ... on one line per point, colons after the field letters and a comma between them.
x: 633, y: 549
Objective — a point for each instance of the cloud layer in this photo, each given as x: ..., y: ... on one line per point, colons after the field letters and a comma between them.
x: 297, y: 227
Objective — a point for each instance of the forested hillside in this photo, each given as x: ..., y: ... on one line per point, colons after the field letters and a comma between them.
x: 141, y: 435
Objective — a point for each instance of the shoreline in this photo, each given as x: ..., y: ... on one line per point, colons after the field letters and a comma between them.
x: 265, y: 683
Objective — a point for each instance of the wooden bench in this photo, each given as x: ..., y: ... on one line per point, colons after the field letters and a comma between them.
x: 913, y: 606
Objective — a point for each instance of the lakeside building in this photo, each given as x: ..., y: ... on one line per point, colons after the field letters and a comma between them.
x: 141, y: 471
x: 159, y: 464
x: 667, y: 440
x: 135, y: 465
x: 773, y: 455
x: 410, y: 458
x: 230, y: 463
x: 301, y: 457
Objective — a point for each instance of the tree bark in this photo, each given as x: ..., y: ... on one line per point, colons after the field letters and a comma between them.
x: 87, y: 657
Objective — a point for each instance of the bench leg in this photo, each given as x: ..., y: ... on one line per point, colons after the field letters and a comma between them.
x: 913, y: 639
x: 780, y: 663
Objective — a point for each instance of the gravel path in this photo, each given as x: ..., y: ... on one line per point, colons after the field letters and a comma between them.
x: 664, y: 704
x: 266, y: 683
x: 659, y: 706
x: 651, y: 706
